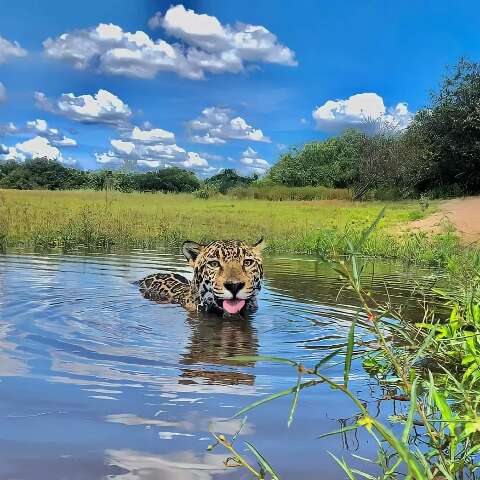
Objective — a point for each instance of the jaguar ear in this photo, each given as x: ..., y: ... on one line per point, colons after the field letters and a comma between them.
x: 259, y: 245
x: 191, y: 250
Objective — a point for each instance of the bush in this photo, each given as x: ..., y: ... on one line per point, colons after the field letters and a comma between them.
x: 206, y: 191
x: 228, y: 179
x: 282, y: 193
x: 330, y: 163
x: 40, y: 174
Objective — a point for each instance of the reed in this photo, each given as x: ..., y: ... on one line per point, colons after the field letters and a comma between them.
x: 433, y: 366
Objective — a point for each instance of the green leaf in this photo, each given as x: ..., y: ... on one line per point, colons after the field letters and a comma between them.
x: 428, y: 326
x: 368, y: 231
x: 411, y: 412
x: 325, y: 359
x: 260, y: 358
x: 237, y: 433
x: 349, y: 354
x: 274, y: 396
x: 408, y: 458
x: 262, y: 461
x: 339, y: 431
x: 443, y: 406
x: 344, y: 466
x: 294, y: 400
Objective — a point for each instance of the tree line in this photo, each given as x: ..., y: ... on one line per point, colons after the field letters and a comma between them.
x: 437, y: 154
x: 47, y: 174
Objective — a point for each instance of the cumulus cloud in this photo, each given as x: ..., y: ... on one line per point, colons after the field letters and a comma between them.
x: 3, y: 92
x: 216, y: 126
x: 153, y: 135
x: 9, y: 50
x: 102, y: 107
x: 243, y: 41
x: 36, y: 147
x: 357, y: 111
x: 194, y: 160
x: 253, y: 162
x: 208, y: 47
x: 52, y: 134
x: 8, y: 129
x: 151, y: 148
x: 212, y: 157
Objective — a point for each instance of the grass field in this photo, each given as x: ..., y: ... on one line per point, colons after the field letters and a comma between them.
x: 97, y: 220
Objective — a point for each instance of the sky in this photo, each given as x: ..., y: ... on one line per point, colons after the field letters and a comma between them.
x: 212, y: 84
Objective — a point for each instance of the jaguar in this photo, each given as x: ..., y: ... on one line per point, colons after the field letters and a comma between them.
x: 227, y: 276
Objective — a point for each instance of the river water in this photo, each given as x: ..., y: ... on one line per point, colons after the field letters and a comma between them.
x: 97, y: 382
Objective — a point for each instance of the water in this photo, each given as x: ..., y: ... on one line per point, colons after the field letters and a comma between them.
x: 97, y: 382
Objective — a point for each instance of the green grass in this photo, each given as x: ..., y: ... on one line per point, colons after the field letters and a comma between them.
x: 282, y: 193
x: 95, y: 220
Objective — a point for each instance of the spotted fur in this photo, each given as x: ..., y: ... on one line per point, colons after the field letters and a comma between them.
x: 224, y: 269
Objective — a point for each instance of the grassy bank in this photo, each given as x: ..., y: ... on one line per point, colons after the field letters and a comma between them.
x: 114, y: 220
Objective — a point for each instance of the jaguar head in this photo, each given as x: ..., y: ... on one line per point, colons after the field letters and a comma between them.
x: 227, y: 274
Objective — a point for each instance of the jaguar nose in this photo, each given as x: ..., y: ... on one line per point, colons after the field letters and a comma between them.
x: 234, y: 287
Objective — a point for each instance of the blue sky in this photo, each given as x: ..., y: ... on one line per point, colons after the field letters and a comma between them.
x: 214, y: 84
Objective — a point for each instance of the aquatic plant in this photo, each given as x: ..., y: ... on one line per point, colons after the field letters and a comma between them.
x: 431, y: 365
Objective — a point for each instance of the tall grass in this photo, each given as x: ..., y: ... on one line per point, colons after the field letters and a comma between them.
x: 282, y: 193
x: 433, y: 366
x: 114, y: 220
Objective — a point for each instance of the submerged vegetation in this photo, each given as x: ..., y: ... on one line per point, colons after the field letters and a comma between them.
x: 431, y: 367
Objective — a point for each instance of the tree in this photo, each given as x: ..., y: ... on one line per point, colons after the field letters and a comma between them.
x: 40, y: 173
x: 329, y: 163
x: 450, y: 128
x: 228, y: 179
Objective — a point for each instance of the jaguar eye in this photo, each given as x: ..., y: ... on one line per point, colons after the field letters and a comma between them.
x: 214, y: 264
x: 248, y: 262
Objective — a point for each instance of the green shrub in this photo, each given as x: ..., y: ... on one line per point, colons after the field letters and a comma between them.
x: 284, y: 193
x: 206, y: 191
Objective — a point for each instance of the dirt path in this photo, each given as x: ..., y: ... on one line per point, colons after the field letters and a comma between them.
x: 462, y: 213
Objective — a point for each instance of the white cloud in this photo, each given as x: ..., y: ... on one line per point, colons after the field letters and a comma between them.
x: 3, y: 92
x: 102, y: 107
x: 8, y: 129
x: 357, y: 111
x: 153, y: 135
x: 242, y: 41
x: 216, y: 125
x: 212, y: 157
x: 151, y: 148
x: 10, y: 49
x: 167, y: 152
x: 207, y: 139
x: 52, y: 134
x: 252, y: 163
x: 37, y: 147
x: 194, y: 160
x: 208, y: 47
x: 399, y: 116
x: 122, y: 147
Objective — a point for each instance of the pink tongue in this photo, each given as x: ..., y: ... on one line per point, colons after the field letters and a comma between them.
x: 233, y: 306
